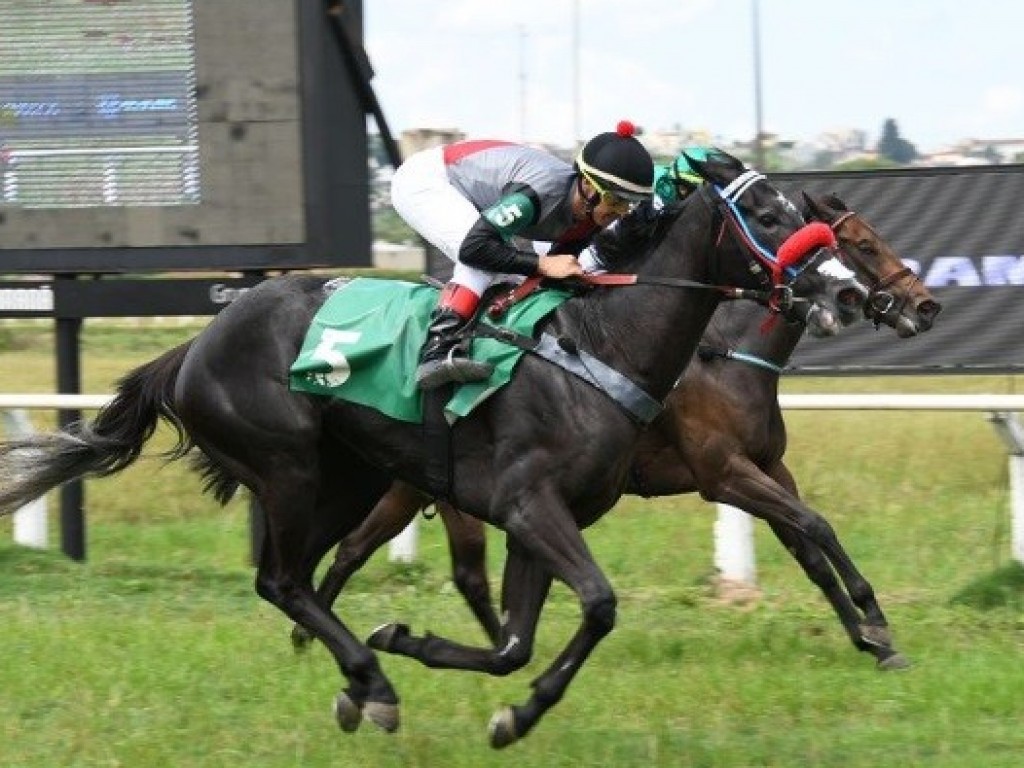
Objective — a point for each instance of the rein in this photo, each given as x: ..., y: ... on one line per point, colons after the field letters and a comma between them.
x: 779, y: 298
x: 706, y: 352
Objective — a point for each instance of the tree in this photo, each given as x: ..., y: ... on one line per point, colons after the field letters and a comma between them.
x: 894, y: 147
x: 865, y: 164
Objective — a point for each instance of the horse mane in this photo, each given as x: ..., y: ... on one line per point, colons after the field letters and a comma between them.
x: 636, y: 235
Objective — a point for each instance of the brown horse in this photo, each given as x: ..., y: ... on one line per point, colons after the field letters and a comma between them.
x: 721, y: 434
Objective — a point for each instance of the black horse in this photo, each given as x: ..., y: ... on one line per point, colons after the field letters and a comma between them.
x: 543, y: 458
x: 722, y: 433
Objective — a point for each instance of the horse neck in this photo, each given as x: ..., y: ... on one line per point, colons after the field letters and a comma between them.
x: 648, y: 332
x: 746, y: 328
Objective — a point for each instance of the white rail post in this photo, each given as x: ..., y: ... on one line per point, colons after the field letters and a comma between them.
x: 1009, y: 428
x: 29, y: 521
x: 734, y: 545
x: 402, y: 548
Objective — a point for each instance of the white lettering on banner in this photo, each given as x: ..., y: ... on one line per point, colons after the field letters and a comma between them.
x: 1003, y: 270
x: 952, y: 270
x: 965, y: 271
x: 26, y: 299
x: 222, y: 294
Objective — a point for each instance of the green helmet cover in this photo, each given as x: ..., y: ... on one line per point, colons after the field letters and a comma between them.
x: 674, y: 180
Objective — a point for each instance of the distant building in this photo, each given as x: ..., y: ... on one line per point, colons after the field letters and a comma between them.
x: 413, y: 141
x: 668, y: 143
x: 995, y: 151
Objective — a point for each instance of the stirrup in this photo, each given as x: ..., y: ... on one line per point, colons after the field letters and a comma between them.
x: 451, y: 369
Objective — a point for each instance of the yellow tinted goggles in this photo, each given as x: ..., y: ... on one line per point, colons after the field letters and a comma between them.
x: 610, y: 199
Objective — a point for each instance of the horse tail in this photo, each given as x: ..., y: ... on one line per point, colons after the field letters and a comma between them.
x: 31, y: 466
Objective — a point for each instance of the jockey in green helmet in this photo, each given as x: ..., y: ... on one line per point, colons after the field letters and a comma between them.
x: 676, y: 180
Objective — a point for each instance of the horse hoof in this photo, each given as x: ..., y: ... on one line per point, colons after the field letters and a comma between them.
x: 301, y: 639
x: 347, y: 712
x: 880, y: 637
x: 384, y: 716
x: 383, y: 637
x: 894, y: 662
x: 502, y: 728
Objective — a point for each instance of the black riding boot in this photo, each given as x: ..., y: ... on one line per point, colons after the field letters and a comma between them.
x: 443, y: 359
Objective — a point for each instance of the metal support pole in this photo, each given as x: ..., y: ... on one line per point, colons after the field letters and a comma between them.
x: 1009, y: 428
x: 734, y: 545
x: 257, y: 530
x: 30, y: 522
x: 69, y: 382
x: 402, y: 548
x: 759, y: 155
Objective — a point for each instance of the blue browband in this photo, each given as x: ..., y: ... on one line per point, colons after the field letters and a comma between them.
x: 733, y: 192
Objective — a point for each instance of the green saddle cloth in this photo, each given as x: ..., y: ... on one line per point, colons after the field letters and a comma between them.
x: 364, y: 343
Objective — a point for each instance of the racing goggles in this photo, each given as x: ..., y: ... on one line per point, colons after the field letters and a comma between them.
x: 611, y: 200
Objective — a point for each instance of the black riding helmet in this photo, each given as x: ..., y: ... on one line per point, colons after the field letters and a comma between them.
x: 616, y: 162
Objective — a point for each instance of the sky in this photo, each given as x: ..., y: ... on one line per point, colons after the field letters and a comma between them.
x: 945, y: 70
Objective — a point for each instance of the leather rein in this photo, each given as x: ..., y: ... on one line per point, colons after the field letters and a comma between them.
x: 778, y: 298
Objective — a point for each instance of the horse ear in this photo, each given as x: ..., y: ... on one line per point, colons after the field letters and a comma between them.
x: 833, y: 201
x: 812, y: 210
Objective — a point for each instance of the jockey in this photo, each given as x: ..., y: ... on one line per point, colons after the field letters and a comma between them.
x: 672, y: 181
x: 676, y: 180
x: 469, y: 199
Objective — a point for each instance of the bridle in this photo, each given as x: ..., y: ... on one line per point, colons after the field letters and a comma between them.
x: 724, y: 199
x: 880, y: 300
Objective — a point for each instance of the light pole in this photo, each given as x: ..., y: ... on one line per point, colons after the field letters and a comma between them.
x: 759, y: 158
x: 576, y: 110
x: 522, y: 83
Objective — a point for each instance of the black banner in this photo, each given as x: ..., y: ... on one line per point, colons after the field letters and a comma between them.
x: 962, y: 232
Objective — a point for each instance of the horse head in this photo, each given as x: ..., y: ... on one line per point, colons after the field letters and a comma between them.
x: 796, y: 261
x: 897, y: 297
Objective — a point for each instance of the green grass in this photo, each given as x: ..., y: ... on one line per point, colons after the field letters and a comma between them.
x: 156, y: 651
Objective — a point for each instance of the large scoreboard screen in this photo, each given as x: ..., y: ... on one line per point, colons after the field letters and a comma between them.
x: 98, y: 104
x: 140, y: 134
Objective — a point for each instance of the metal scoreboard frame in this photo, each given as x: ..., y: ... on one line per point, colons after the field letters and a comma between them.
x: 328, y: 92
x: 323, y: 203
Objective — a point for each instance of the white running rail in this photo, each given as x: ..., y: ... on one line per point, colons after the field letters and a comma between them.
x: 734, y: 544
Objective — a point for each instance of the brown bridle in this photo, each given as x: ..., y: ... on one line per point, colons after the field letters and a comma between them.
x: 880, y: 300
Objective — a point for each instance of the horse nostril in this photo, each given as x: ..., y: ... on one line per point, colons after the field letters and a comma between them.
x: 850, y: 297
x: 926, y: 312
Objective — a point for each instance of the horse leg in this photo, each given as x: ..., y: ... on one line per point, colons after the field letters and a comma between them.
x: 872, y: 634
x: 395, y: 510
x: 300, y: 528
x: 296, y: 539
x: 467, y: 543
x: 809, y: 538
x: 547, y: 544
x: 525, y: 587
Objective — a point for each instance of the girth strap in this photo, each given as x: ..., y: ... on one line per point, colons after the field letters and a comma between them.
x: 564, y: 353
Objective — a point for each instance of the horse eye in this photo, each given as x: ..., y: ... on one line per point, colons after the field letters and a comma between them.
x: 768, y: 219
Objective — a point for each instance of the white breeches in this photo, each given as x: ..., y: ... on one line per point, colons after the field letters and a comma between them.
x: 427, y: 202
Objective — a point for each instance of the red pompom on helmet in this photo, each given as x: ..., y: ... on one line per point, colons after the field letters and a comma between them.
x: 625, y: 128
x: 617, y: 162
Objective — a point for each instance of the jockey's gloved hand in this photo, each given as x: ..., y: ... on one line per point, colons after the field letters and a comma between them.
x: 646, y: 211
